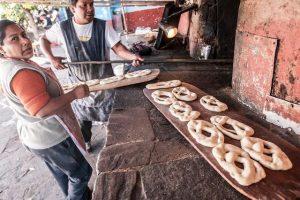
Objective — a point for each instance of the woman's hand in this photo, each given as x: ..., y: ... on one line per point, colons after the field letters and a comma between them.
x: 81, y: 91
x: 59, y: 102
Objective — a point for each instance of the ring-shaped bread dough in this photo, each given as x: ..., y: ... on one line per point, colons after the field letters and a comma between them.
x: 163, y: 97
x: 228, y: 155
x: 163, y: 84
x: 239, y: 130
x: 111, y: 79
x: 92, y: 82
x: 213, y: 104
x: 267, y: 153
x: 183, y: 111
x: 138, y: 73
x: 68, y: 86
x: 197, y: 129
x: 183, y: 94
x: 71, y: 86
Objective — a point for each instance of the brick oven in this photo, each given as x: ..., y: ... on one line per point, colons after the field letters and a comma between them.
x: 262, y: 38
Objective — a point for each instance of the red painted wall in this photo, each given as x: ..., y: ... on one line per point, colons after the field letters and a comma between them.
x: 253, y: 68
x: 144, y: 18
x: 273, y: 19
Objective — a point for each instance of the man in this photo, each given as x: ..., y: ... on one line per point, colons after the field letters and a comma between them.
x: 85, y: 38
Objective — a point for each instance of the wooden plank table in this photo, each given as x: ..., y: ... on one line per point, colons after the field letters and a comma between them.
x: 276, y: 185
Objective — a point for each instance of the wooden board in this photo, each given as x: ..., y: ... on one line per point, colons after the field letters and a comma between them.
x: 126, y: 81
x: 276, y: 185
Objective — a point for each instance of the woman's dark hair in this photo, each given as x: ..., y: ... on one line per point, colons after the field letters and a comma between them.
x: 3, y: 25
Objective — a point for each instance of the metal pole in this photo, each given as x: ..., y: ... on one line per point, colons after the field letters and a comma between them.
x: 124, y: 19
x: 223, y: 61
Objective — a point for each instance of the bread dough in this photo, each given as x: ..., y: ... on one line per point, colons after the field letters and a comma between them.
x: 89, y: 83
x: 165, y: 84
x: 239, y: 130
x: 213, y: 104
x: 138, y: 73
x: 163, y: 97
x: 111, y: 79
x: 68, y: 86
x: 182, y: 93
x: 196, y: 128
x: 71, y: 86
x: 267, y: 153
x: 92, y: 82
x: 183, y: 111
x: 228, y: 155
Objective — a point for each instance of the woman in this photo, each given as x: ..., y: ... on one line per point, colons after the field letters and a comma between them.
x: 46, y: 123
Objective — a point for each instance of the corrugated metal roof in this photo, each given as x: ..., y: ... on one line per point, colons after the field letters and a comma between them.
x: 37, y: 2
x: 65, y: 2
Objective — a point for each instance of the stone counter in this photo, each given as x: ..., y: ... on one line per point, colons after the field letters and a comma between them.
x: 147, y: 158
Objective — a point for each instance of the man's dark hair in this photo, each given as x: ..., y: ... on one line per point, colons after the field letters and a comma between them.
x: 73, y: 2
x: 3, y: 25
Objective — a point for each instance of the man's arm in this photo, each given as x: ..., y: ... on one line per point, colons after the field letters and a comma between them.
x: 123, y: 52
x: 45, y: 45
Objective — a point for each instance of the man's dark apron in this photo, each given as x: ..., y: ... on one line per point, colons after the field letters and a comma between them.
x: 98, y: 105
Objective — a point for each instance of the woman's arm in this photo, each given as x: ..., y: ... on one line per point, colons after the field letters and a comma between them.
x: 30, y: 87
x: 57, y: 103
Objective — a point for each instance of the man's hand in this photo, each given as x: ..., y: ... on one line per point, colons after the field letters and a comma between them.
x: 56, y: 63
x: 123, y: 52
x: 81, y: 91
x: 137, y: 60
x: 46, y: 49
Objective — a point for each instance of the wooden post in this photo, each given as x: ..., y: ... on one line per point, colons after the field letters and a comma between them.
x: 196, y: 32
x: 124, y: 19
